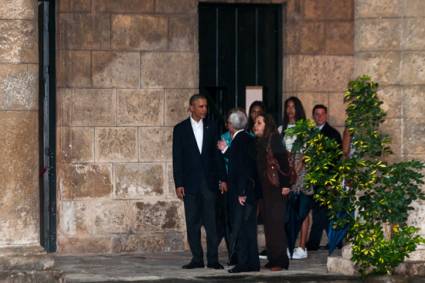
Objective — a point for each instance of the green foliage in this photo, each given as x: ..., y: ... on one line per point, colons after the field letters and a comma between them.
x: 381, y: 194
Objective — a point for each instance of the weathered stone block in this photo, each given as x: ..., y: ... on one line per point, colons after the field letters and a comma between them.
x: 93, y: 107
x: 171, y: 185
x: 124, y: 6
x: 18, y: 87
x: 95, y: 245
x: 64, y: 106
x: 74, y: 5
x: 383, y: 67
x: 413, y: 102
x: 177, y: 105
x: 378, y: 8
x: 380, y: 34
x: 414, y: 8
x: 169, y: 70
x: 312, y: 37
x: 136, y: 181
x: 392, y: 127
x: 181, y: 34
x: 74, y: 69
x: 77, y: 144
x: 339, y: 38
x: 314, y: 10
x: 85, y: 181
x: 116, y: 144
x: 317, y: 73
x: 311, y: 99
x: 140, y: 107
x: 414, y: 136
x: 116, y: 69
x: 149, y: 138
x: 84, y: 31
x: 149, y: 243
x: 18, y: 42
x: 176, y: 6
x: 139, y: 32
x: 159, y: 216
x: 17, y: 10
x: 291, y: 38
x: 412, y: 68
x: 336, y: 264
x: 336, y: 109
x: 339, y: 9
x: 413, y: 34
x: 393, y: 100
x: 19, y: 194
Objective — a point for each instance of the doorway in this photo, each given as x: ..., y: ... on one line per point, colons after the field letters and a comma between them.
x: 240, y: 45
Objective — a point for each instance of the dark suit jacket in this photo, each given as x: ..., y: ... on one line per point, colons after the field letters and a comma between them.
x: 331, y: 133
x: 242, y: 175
x: 191, y: 168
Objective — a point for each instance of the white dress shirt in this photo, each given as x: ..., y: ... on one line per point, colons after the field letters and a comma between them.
x: 198, y: 131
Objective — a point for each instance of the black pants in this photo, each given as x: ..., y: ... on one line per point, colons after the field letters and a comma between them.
x: 223, y: 219
x: 320, y: 223
x: 200, y: 210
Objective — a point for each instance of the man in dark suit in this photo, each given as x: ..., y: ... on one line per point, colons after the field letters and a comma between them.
x: 197, y: 170
x: 242, y: 173
x: 320, y: 213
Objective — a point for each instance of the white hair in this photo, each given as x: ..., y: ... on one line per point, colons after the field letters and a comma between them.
x: 238, y: 119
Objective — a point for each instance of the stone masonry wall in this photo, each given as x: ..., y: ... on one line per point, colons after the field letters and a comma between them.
x: 390, y: 46
x: 19, y: 195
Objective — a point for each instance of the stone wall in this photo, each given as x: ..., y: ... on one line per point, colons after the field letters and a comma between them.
x: 19, y: 189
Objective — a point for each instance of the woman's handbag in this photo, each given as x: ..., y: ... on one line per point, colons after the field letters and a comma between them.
x: 273, y: 169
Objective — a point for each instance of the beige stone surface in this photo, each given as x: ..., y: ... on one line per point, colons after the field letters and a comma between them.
x: 414, y: 8
x: 393, y: 100
x: 339, y: 9
x: 392, y: 127
x: 63, y: 106
x: 413, y: 34
x: 136, y: 32
x: 124, y: 6
x: 314, y: 10
x: 171, y: 185
x: 414, y: 102
x: 93, y: 107
x: 159, y: 216
x: 19, y: 195
x: 177, y: 105
x: 169, y: 70
x: 339, y: 38
x: 18, y: 87
x: 155, y: 144
x: 341, y: 265
x: 181, y: 34
x: 412, y: 69
x: 414, y: 136
x: 18, y: 41
x: 74, y: 5
x: 140, y: 107
x: 176, y: 6
x: 77, y: 144
x: 92, y: 245
x: 137, y: 181
x: 336, y: 110
x: 74, y: 69
x: 291, y: 38
x: 378, y: 8
x: 383, y: 67
x: 116, y: 69
x: 84, y: 31
x: 378, y: 34
x: 17, y: 9
x: 84, y: 181
x: 312, y: 37
x: 309, y: 99
x: 116, y: 144
x: 149, y: 243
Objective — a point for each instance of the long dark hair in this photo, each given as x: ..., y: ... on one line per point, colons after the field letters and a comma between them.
x: 256, y: 103
x: 299, y: 111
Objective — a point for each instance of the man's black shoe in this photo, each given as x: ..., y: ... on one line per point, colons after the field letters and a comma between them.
x: 238, y: 269
x: 192, y: 265
x: 215, y: 266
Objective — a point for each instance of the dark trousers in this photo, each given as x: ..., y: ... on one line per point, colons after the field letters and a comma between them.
x: 223, y: 220
x: 320, y: 223
x: 200, y: 210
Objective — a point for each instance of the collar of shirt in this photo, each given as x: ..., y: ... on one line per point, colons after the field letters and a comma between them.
x: 195, y: 124
x: 237, y: 132
x: 321, y: 127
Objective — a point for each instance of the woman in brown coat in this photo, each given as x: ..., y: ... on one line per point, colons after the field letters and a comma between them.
x: 274, y: 197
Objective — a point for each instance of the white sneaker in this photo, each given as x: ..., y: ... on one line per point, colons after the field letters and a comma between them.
x: 299, y: 253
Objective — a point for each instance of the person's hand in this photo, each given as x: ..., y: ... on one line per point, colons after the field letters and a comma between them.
x: 221, y: 145
x: 223, y: 187
x: 285, y: 191
x: 180, y: 192
x: 242, y: 200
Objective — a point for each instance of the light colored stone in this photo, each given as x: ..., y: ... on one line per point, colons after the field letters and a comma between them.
x: 414, y: 136
x: 19, y: 175
x: 378, y: 8
x: 169, y: 70
x: 116, y: 144
x: 131, y: 32
x: 94, y: 245
x: 74, y: 5
x: 341, y: 265
x: 412, y: 69
x: 336, y: 110
x: 81, y: 181
x: 17, y: 9
x: 171, y: 185
x: 136, y: 181
x: 124, y: 6
x: 377, y: 34
x: 339, y: 9
x: 414, y: 8
x: 18, y: 42
x: 312, y: 38
x: 310, y: 99
x: 116, y: 69
x: 413, y: 34
x: 414, y: 102
x: 181, y: 33
x: 159, y: 216
x: 150, y: 138
x: 314, y: 10
x: 149, y: 243
x: 140, y: 107
x: 291, y: 38
x: 176, y: 6
x: 93, y: 107
x: 74, y: 69
x: 77, y: 144
x: 339, y: 38
x: 383, y: 67
x: 392, y: 99
x: 18, y: 87
x: 177, y: 105
x: 64, y: 106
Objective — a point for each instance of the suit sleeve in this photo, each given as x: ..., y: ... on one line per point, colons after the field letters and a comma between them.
x: 281, y: 156
x: 246, y: 169
x: 178, y: 158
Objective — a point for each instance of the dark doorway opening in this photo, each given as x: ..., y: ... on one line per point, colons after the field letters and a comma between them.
x: 47, y: 123
x: 240, y: 45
